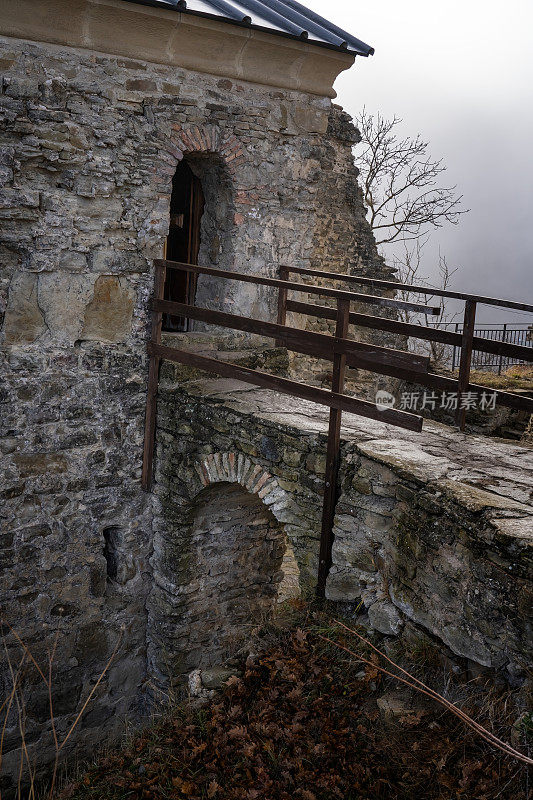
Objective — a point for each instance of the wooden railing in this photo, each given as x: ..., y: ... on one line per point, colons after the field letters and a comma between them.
x: 338, y: 349
x: 466, y: 341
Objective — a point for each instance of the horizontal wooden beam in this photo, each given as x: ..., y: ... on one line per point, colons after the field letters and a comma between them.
x: 427, y: 333
x: 352, y: 405
x: 359, y: 354
x: 259, y: 280
x: 428, y: 291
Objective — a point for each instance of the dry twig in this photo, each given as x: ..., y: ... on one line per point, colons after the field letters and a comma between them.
x: 422, y: 688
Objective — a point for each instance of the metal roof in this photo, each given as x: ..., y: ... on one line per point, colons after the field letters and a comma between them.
x: 282, y: 17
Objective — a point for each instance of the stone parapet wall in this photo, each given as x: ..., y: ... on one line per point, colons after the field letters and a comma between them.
x: 433, y: 531
x: 424, y: 552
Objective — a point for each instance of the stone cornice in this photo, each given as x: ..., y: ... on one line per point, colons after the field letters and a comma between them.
x: 182, y: 40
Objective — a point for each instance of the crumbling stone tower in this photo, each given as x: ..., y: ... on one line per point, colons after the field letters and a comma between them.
x: 101, y: 102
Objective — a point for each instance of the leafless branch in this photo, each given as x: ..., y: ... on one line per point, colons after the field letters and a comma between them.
x: 408, y: 267
x: 422, y: 688
x: 401, y: 182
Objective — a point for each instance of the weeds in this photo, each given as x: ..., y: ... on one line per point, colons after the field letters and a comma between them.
x: 302, y: 724
x: 422, y: 688
x: 27, y: 768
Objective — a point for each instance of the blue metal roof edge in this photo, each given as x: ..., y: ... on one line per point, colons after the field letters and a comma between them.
x: 365, y: 49
x: 349, y: 44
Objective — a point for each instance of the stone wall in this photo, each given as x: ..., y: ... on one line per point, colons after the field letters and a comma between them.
x: 433, y: 531
x: 343, y: 243
x: 89, y: 144
x: 426, y: 554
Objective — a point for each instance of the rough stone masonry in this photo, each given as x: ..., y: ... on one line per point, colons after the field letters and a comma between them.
x: 89, y: 143
x: 433, y: 531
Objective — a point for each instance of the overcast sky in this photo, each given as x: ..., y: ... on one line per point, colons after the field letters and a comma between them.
x: 461, y: 75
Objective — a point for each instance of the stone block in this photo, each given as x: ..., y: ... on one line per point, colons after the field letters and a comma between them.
x: 310, y: 119
x: 32, y: 464
x: 384, y: 617
x: 63, y: 297
x: 108, y: 316
x: 24, y: 320
x: 216, y: 677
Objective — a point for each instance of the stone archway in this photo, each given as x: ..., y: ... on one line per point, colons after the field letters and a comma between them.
x: 222, y: 566
x: 236, y: 468
x: 236, y: 550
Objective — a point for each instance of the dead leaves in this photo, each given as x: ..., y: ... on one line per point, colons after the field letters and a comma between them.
x: 186, y: 788
x: 300, y: 725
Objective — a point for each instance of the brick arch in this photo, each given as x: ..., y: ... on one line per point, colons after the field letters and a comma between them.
x: 237, y: 468
x: 172, y: 147
x: 206, y: 139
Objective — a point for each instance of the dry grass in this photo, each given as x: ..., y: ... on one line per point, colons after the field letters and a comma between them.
x: 518, y: 377
x: 302, y: 723
x: 17, y: 701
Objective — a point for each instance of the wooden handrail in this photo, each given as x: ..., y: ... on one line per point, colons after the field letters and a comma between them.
x: 466, y: 357
x: 360, y: 354
x: 413, y: 331
x: 342, y: 402
x: 339, y: 349
x: 428, y: 291
x: 337, y: 294
x: 467, y: 341
x: 153, y: 381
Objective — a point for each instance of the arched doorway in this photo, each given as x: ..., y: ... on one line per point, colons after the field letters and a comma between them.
x: 183, y: 240
x: 237, y: 549
x: 223, y: 570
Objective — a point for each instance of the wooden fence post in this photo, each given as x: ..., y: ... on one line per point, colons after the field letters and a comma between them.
x: 466, y: 359
x: 332, y: 457
x: 282, y: 300
x: 153, y: 380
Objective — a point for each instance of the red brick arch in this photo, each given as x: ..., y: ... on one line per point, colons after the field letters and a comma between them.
x: 176, y: 144
x: 207, y: 139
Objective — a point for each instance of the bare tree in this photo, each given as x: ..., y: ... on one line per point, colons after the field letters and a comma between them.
x: 401, y: 183
x: 408, y: 269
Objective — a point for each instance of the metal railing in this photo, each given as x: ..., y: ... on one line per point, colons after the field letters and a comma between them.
x: 342, y: 351
x: 521, y: 335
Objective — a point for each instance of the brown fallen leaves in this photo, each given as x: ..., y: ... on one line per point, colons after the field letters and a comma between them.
x: 299, y: 725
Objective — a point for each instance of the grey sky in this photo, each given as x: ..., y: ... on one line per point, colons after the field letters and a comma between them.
x: 461, y: 75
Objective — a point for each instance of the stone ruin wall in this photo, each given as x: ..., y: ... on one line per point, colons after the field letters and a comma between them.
x: 343, y: 243
x: 430, y: 557
x: 420, y: 552
x: 88, y: 147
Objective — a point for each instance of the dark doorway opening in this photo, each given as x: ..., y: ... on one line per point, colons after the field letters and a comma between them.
x: 183, y: 241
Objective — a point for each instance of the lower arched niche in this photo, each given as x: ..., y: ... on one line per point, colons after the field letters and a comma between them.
x: 241, y: 567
